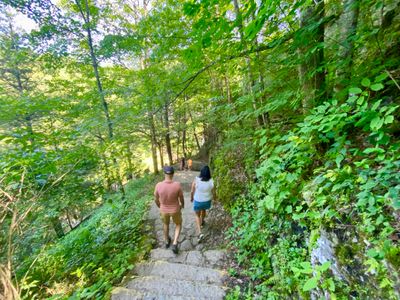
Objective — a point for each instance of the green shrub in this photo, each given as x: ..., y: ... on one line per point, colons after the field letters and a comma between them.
x: 338, y: 168
x: 233, y: 166
x: 89, y: 260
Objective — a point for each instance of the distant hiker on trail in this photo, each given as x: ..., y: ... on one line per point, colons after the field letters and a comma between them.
x: 190, y: 164
x: 169, y: 198
x: 182, y: 163
x: 202, y: 193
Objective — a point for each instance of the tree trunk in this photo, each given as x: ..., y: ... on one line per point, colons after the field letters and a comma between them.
x: 194, y: 132
x: 349, y: 21
x: 160, y: 151
x: 107, y: 171
x: 265, y: 116
x: 86, y: 18
x: 129, y: 160
x: 184, y: 142
x: 167, y: 134
x: 69, y: 220
x: 184, y: 133
x: 153, y: 143
x: 249, y: 71
x: 178, y: 141
x: 57, y: 227
x: 311, y: 70
x: 228, y: 89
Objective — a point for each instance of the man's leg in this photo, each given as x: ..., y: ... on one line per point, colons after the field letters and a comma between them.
x: 165, y: 219
x: 177, y: 218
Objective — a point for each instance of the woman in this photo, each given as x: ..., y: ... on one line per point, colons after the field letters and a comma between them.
x: 202, y: 193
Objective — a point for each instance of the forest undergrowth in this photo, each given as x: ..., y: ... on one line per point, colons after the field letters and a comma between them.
x: 88, y: 261
x: 336, y: 175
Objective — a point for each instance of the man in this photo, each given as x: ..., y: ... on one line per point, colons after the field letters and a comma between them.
x: 190, y: 164
x: 169, y: 198
x: 182, y: 163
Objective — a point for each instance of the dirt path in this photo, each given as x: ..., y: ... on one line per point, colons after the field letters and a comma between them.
x: 196, y: 272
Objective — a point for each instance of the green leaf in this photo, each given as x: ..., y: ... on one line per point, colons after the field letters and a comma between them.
x: 381, y: 77
x: 307, y: 271
x: 389, y: 119
x: 360, y: 100
x: 365, y: 82
x: 377, y: 87
x: 331, y: 284
x: 339, y: 159
x: 325, y: 266
x: 376, y: 104
x: 269, y: 202
x: 376, y: 123
x: 306, y: 265
x: 310, y: 284
x: 355, y: 90
x: 374, y: 150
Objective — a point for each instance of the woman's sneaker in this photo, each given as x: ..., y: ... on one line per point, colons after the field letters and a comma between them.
x: 201, y: 237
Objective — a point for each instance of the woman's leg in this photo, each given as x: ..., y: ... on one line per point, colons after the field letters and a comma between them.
x: 198, y: 221
x: 202, y: 215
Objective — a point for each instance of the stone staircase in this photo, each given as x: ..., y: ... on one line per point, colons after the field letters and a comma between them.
x: 194, y: 273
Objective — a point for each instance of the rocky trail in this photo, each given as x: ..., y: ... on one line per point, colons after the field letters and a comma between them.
x: 196, y: 272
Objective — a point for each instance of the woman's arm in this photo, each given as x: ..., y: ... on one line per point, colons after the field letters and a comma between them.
x: 192, y: 191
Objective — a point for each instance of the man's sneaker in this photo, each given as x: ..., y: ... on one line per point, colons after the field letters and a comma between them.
x: 167, y: 244
x: 175, y: 248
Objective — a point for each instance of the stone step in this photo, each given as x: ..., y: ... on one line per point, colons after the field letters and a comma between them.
x: 210, y: 258
x: 129, y: 294
x: 180, y: 271
x: 166, y: 287
x: 121, y: 293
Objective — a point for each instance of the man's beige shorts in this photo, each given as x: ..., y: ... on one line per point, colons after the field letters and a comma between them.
x: 176, y: 217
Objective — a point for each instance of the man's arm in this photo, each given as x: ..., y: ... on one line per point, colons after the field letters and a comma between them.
x: 181, y: 199
x: 156, y: 197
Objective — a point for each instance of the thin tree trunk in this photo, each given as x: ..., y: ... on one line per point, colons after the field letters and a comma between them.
x: 28, y: 117
x: 107, y: 171
x: 167, y: 134
x: 129, y: 160
x: 250, y: 80
x: 153, y: 143
x: 160, y: 151
x: 184, y: 142
x: 178, y: 139
x: 194, y: 132
x: 69, y: 220
x: 265, y: 116
x: 57, y: 227
x: 86, y: 18
x: 184, y: 133
x: 228, y: 90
